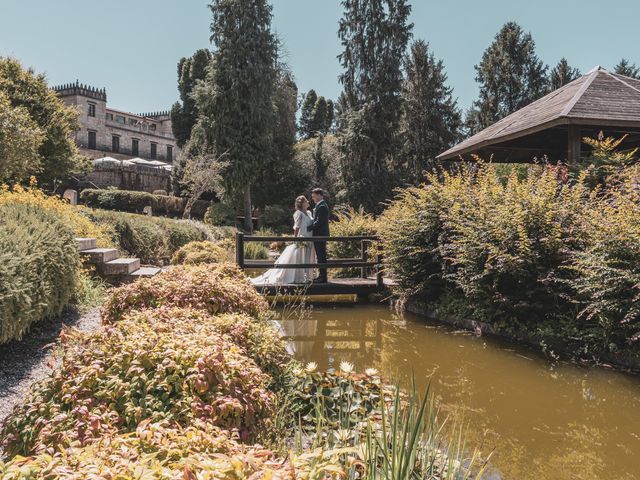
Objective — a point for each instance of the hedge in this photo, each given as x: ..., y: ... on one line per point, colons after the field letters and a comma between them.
x: 38, y: 265
x: 135, y: 202
x: 152, y: 239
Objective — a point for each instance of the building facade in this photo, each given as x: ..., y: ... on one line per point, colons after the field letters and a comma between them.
x: 105, y: 131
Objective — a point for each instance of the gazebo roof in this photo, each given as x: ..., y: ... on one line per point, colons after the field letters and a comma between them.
x: 599, y: 98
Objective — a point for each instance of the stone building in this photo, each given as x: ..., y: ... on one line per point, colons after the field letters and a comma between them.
x: 121, y: 135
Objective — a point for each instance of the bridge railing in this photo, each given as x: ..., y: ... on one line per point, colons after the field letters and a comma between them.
x: 363, y: 262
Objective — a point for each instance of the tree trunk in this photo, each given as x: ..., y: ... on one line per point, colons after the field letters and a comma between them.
x: 248, y: 220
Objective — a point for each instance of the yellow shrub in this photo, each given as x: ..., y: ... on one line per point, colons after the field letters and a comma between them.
x: 70, y: 215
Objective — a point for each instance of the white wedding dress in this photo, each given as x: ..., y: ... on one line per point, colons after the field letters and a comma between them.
x: 300, y: 252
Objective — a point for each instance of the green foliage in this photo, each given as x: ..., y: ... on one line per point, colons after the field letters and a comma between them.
x: 348, y: 223
x: 256, y: 251
x: 20, y: 142
x: 216, y: 289
x: 510, y: 76
x: 606, y: 164
x: 431, y: 119
x: 562, y: 74
x: 235, y: 105
x: 220, y: 214
x: 153, y: 365
x: 152, y: 239
x: 316, y: 115
x: 195, y: 253
x: 277, y: 216
x: 55, y: 122
x: 38, y: 267
x: 606, y: 269
x: 90, y: 291
x: 374, y: 37
x: 628, y: 69
x: 320, y: 158
x: 135, y: 202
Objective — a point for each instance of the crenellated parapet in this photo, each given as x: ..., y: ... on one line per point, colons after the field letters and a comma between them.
x: 82, y: 89
x: 156, y: 115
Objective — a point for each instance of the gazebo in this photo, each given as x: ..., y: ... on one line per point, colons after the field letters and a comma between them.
x: 554, y: 125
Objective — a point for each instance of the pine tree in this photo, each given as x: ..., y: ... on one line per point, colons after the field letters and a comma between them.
x: 628, y: 69
x: 374, y: 36
x: 306, y: 113
x: 562, y: 74
x: 432, y: 120
x: 184, y: 113
x: 316, y: 115
x: 235, y: 102
x: 510, y: 76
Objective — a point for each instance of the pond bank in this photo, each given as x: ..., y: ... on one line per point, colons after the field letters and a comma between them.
x: 623, y: 361
x: 545, y: 420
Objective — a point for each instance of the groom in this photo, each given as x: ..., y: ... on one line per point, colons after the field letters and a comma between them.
x: 320, y: 228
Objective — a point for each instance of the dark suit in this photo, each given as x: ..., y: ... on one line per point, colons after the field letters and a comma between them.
x: 320, y: 228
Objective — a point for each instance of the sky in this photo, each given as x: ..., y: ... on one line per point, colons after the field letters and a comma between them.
x: 131, y: 47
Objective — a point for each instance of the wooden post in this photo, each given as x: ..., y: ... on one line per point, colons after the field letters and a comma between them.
x: 363, y: 252
x: 240, y: 249
x: 574, y: 143
x: 379, y: 277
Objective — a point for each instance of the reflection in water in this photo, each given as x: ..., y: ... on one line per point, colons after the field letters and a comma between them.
x: 545, y: 421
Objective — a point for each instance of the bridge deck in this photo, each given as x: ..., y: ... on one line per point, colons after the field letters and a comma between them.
x: 335, y: 286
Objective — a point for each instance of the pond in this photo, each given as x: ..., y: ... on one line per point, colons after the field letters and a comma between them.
x: 546, y: 420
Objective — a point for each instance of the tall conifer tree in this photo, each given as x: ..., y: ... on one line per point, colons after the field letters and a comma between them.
x: 628, y: 69
x: 374, y: 36
x: 235, y: 102
x: 562, y: 74
x: 432, y: 120
x: 510, y: 76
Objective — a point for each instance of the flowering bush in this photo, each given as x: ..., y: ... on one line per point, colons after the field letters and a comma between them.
x: 195, y: 253
x: 153, y: 451
x: 68, y: 214
x: 142, y: 367
x: 213, y: 288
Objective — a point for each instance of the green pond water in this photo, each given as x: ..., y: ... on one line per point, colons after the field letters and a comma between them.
x: 545, y: 420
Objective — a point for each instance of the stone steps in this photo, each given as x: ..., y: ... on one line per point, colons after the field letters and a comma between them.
x: 109, y: 264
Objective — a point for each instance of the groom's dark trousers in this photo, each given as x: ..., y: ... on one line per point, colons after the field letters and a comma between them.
x: 320, y: 228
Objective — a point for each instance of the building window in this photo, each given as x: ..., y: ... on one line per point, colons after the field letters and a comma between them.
x: 154, y: 150
x: 120, y: 119
x: 169, y: 153
x: 91, y: 140
x: 115, y: 143
x: 133, y: 121
x: 134, y: 146
x: 109, y: 116
x: 152, y: 127
x: 92, y: 110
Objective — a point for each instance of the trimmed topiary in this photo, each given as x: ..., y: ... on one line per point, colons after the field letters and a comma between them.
x: 196, y: 253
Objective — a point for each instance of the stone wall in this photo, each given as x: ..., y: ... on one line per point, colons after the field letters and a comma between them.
x: 129, y: 177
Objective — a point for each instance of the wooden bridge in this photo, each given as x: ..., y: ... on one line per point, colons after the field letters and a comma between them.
x: 371, y: 279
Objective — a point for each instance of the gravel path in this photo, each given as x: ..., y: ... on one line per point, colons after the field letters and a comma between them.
x: 29, y: 360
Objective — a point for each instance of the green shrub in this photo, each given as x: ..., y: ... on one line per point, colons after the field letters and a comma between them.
x: 605, y: 269
x: 350, y: 223
x: 506, y: 243
x: 122, y: 200
x: 154, y: 240
x: 145, y: 367
x: 220, y: 214
x: 215, y: 288
x: 135, y: 202
x: 277, y: 216
x: 411, y: 229
x: 195, y: 253
x: 38, y: 266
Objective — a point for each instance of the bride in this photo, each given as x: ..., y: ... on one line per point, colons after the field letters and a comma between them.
x: 299, y: 252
